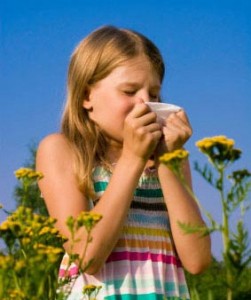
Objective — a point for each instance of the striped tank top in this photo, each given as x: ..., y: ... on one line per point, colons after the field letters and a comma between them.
x: 144, y: 264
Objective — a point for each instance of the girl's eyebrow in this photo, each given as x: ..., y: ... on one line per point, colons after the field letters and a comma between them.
x: 131, y: 84
x: 135, y: 85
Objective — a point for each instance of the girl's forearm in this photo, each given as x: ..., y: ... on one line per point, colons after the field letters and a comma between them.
x: 113, y: 206
x: 193, y: 250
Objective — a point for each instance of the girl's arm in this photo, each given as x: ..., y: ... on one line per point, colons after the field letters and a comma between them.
x: 63, y: 198
x: 194, y: 251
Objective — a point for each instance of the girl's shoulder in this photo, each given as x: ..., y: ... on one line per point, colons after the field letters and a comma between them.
x: 53, y: 138
x: 54, y: 146
x: 54, y: 141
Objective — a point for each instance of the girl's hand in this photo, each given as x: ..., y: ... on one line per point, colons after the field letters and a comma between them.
x: 176, y: 131
x: 141, y: 132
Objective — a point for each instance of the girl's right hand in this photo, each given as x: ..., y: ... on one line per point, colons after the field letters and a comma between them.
x: 141, y: 132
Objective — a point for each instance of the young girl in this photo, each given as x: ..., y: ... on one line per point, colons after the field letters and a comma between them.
x: 106, y: 160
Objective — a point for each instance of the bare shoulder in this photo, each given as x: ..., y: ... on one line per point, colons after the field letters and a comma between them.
x: 59, y: 184
x: 54, y: 149
x: 53, y: 141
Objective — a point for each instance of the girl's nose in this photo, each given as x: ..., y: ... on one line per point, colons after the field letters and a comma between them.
x: 143, y: 98
x: 139, y: 100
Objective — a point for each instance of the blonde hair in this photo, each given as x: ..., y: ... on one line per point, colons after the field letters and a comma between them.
x: 94, y: 58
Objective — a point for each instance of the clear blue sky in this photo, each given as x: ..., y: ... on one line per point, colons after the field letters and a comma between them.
x: 206, y: 46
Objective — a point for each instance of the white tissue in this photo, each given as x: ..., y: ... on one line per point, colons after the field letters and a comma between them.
x: 163, y: 110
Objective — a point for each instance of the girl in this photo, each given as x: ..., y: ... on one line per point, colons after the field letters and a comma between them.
x: 106, y: 160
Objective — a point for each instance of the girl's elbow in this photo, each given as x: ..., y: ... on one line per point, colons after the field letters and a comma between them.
x: 93, y: 269
x: 199, y: 266
x: 92, y: 266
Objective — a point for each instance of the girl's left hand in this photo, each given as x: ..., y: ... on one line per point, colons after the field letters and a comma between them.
x: 176, y: 131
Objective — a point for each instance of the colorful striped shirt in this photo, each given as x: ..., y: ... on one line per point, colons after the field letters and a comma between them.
x: 144, y: 264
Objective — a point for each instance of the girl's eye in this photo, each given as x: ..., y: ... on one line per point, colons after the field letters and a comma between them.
x: 154, y: 97
x: 130, y: 93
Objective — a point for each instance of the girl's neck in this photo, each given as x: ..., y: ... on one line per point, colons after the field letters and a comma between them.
x: 113, y: 153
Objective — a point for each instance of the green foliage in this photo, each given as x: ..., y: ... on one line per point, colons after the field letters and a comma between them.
x: 34, y: 250
x: 211, y: 285
x: 34, y: 247
x: 31, y: 239
x: 224, y: 280
x: 30, y: 261
x: 30, y: 197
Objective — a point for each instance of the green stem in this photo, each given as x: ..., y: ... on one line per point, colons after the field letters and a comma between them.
x: 225, y: 234
x: 25, y: 188
x: 88, y: 240
x: 16, y: 282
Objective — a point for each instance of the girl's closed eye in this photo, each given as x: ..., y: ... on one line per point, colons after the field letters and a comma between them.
x: 130, y: 92
x: 154, y: 97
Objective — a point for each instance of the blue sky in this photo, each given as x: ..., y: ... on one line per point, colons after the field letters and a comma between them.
x: 206, y: 46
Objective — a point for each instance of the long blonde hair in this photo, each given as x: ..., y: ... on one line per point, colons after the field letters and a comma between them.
x: 94, y: 58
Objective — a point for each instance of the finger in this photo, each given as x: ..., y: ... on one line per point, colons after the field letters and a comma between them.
x: 174, y: 133
x: 178, y: 129
x: 154, y: 127
x: 139, y: 110
x: 157, y: 135
x: 183, y: 116
x: 179, y: 120
x: 147, y: 119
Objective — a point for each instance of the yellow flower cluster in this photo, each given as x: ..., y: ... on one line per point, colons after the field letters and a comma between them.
x: 9, y: 224
x: 26, y: 228
x: 219, y: 149
x: 6, y: 261
x: 175, y: 156
x: 210, y: 142
x: 173, y: 160
x: 46, y: 249
x: 48, y: 230
x: 16, y: 294
x: 91, y: 289
x: 28, y: 173
x: 88, y: 219
x: 84, y: 219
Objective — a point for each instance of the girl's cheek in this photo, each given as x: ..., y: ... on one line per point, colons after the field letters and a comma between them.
x: 127, y: 108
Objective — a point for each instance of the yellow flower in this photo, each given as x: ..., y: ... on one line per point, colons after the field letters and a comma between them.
x: 9, y: 224
x: 25, y: 241
x: 22, y: 172
x: 4, y: 225
x: 19, y: 265
x: 6, y: 261
x: 16, y: 294
x: 173, y: 160
x: 28, y: 173
x: 48, y: 230
x: 219, y: 149
x: 209, y: 142
x: 175, y: 156
x: 90, y: 289
x: 88, y: 220
x: 44, y: 230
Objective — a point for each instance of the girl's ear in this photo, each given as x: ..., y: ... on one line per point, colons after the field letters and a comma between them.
x: 87, y: 104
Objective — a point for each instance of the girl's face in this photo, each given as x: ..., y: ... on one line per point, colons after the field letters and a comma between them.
x: 112, y: 98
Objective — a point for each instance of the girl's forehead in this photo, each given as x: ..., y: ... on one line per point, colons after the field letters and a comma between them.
x: 137, y: 70
x: 137, y: 62
x: 139, y: 66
